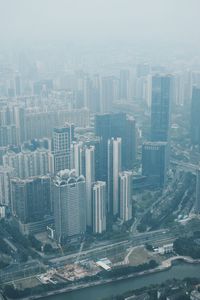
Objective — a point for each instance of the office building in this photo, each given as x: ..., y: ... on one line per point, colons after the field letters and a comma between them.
x: 125, y: 195
x: 143, y: 70
x: 195, y: 119
x: 42, y: 87
x: 109, y: 93
x: 17, y: 84
x: 116, y: 125
x: 95, y: 103
x: 160, y: 108
x: 114, y: 168
x: 155, y: 162
x: 69, y: 200
x: 89, y: 179
x: 197, y: 202
x: 30, y: 199
x: 124, y: 85
x: 99, y: 202
x: 178, y: 89
x: 62, y: 139
x: 129, y: 142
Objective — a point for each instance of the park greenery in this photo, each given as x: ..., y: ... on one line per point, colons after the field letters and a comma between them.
x: 188, y: 246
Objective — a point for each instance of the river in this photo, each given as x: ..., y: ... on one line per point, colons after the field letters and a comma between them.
x: 178, y: 271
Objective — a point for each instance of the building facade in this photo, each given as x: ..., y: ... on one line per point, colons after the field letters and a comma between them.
x: 125, y: 195
x: 116, y: 125
x: 62, y: 139
x: 30, y: 199
x: 114, y: 168
x: 194, y: 119
x: 89, y: 179
x: 155, y: 162
x: 99, y: 202
x: 160, y: 107
x: 28, y: 163
x: 69, y: 200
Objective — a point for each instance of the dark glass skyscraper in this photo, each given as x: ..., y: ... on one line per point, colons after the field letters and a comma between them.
x: 160, y: 107
x: 195, y: 116
x: 197, y: 202
x: 116, y: 125
x: 155, y: 162
x: 30, y: 198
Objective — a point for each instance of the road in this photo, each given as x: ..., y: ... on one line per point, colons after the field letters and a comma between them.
x: 155, y: 205
x: 185, y: 166
x: 31, y: 268
x: 153, y: 237
x: 17, y: 271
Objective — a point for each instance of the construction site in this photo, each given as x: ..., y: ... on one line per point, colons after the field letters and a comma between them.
x: 88, y: 268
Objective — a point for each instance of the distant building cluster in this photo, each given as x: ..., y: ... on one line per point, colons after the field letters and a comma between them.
x: 67, y: 154
x: 71, y: 183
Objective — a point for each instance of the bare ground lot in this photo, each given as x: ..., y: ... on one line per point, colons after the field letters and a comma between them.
x: 27, y: 283
x: 139, y: 256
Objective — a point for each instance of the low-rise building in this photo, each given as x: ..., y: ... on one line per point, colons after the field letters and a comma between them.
x: 195, y: 295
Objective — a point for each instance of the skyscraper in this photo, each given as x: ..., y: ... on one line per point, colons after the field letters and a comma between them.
x: 30, y: 199
x: 83, y: 161
x: 129, y: 142
x: 160, y: 107
x: 17, y: 84
x: 116, y: 125
x: 197, y: 203
x: 102, y: 129
x: 19, y: 119
x: 89, y: 179
x: 95, y: 105
x: 77, y: 160
x: 99, y: 201
x: 125, y: 195
x: 109, y: 93
x: 124, y: 84
x: 5, y: 175
x: 114, y: 167
x: 143, y: 70
x: 155, y: 162
x: 69, y: 200
x: 62, y: 139
x: 195, y: 119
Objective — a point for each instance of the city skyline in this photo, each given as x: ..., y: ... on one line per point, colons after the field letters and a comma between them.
x: 100, y: 149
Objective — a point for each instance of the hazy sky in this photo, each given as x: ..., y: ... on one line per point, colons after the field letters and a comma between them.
x: 100, y: 19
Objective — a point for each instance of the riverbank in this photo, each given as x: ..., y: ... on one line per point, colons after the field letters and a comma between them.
x: 166, y: 265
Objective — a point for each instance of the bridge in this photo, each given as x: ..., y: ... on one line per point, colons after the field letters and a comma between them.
x: 186, y: 166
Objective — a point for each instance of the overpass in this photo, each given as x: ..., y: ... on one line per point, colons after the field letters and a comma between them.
x: 185, y: 166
